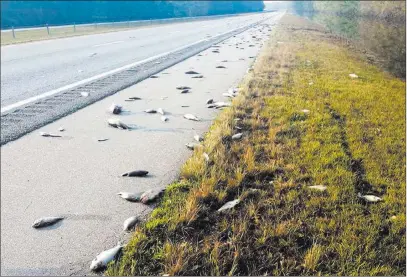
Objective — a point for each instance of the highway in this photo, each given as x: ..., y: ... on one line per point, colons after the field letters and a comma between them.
x: 78, y: 177
x: 34, y: 68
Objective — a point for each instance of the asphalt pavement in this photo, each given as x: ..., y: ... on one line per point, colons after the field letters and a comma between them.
x: 77, y: 176
x: 34, y: 68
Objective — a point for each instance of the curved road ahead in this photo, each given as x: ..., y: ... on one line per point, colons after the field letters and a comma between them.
x: 34, y: 68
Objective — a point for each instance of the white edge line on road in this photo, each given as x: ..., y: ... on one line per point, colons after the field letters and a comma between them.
x: 108, y: 43
x: 67, y: 87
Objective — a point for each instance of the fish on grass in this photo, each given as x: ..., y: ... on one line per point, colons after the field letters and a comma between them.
x: 237, y: 136
x: 150, y: 111
x: 229, y: 205
x: 191, y: 117
x: 130, y: 196
x: 318, y: 187
x: 135, y: 173
x: 104, y: 258
x: 370, y: 198
x: 45, y: 134
x: 130, y: 223
x: 191, y: 72
x: 150, y: 195
x: 116, y: 123
x: 115, y: 108
x: 46, y: 221
x: 206, y: 157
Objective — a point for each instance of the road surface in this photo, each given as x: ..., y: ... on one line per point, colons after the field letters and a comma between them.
x: 34, y: 68
x: 78, y: 177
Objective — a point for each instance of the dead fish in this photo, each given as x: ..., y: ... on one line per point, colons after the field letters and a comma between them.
x: 305, y: 111
x: 233, y: 90
x: 198, y: 138
x: 197, y: 77
x: 185, y: 91
x: 251, y: 45
x: 150, y: 111
x: 192, y: 145
x: 135, y: 173
x: 222, y: 104
x: 353, y: 76
x: 191, y: 117
x: 238, y: 128
x: 221, y: 66
x: 61, y: 129
x: 214, y: 51
x: 103, y: 139
x: 105, y: 257
x: 229, y: 205
x: 45, y: 134
x: 160, y: 111
x: 191, y: 72
x: 237, y: 136
x: 129, y: 196
x: 154, y: 77
x: 318, y: 187
x: 46, y: 221
x: 209, y: 106
x: 116, y: 123
x: 130, y: 223
x: 370, y: 198
x: 84, y: 94
x: 164, y: 118
x: 227, y: 94
x: 206, y: 157
x: 209, y: 101
x: 150, y: 195
x: 135, y: 98
x: 182, y: 88
x: 224, y: 61
x: 252, y: 57
x: 184, y: 106
x: 93, y: 54
x: 115, y: 109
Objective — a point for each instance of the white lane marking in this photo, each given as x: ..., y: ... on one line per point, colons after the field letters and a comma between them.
x: 108, y: 43
x: 67, y: 87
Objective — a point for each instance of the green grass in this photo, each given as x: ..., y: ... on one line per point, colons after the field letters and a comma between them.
x: 352, y: 140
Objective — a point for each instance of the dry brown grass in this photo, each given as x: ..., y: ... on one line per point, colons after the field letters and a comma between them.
x: 281, y: 227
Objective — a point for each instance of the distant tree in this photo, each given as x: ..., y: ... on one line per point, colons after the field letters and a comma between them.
x: 34, y: 13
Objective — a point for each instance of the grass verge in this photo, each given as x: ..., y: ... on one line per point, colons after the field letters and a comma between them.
x: 305, y: 122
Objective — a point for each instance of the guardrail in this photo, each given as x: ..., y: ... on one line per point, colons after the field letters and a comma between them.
x: 58, y: 29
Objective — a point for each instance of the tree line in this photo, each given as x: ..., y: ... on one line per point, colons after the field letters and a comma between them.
x: 38, y: 13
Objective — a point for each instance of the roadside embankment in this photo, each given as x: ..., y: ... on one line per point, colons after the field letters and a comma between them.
x: 322, y: 129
